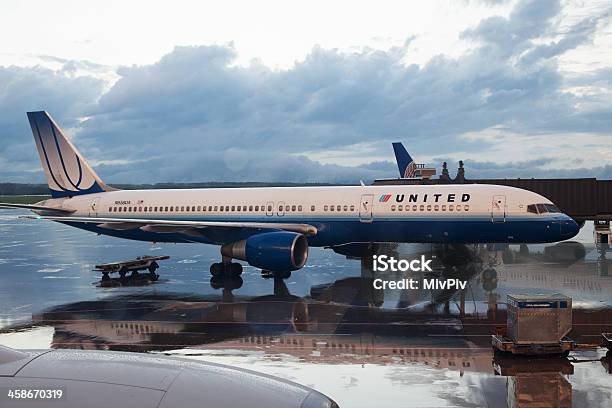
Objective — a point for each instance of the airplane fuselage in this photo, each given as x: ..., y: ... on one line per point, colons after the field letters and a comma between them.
x: 465, y: 213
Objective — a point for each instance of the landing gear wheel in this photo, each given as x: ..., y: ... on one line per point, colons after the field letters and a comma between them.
x: 216, y: 269
x: 226, y: 269
x: 226, y: 282
x: 235, y: 269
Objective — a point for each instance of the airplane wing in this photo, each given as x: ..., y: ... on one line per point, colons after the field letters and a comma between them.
x: 37, y: 208
x: 190, y: 228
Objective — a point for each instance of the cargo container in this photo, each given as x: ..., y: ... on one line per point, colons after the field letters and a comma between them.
x: 538, y: 319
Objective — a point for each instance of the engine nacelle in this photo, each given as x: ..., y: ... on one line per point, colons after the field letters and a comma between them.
x: 273, y: 251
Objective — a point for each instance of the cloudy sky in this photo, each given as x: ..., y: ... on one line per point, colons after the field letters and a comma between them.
x: 315, y: 91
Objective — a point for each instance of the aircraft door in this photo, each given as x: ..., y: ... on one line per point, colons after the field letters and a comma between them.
x: 365, y: 208
x: 281, y: 208
x: 498, y: 208
x: 270, y: 208
x: 93, y: 209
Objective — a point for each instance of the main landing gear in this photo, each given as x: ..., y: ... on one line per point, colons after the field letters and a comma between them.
x: 226, y: 269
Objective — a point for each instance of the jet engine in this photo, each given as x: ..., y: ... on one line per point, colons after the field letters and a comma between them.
x: 273, y: 251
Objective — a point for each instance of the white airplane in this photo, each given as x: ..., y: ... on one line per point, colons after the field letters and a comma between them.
x: 272, y: 227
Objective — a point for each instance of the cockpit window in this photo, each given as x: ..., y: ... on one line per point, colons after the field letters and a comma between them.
x: 551, y: 208
x: 542, y: 208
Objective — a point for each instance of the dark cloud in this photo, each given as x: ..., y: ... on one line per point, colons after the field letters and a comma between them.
x: 195, y: 116
x: 37, y: 88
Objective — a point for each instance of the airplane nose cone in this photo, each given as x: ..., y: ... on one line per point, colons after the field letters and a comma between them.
x: 569, y: 228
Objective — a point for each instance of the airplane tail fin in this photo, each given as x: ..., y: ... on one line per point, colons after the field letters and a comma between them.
x: 68, y: 174
x: 405, y: 164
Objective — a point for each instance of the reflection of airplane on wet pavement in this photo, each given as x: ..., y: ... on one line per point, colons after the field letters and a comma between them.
x: 272, y: 228
x: 350, y: 307
x: 334, y: 325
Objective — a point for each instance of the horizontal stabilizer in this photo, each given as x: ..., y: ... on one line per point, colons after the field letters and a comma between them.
x: 34, y: 207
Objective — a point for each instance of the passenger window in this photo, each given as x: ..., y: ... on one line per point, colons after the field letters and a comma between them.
x: 233, y: 208
x: 422, y: 208
x: 450, y: 207
x: 299, y: 208
x: 429, y: 208
x: 210, y: 208
x: 269, y: 208
x: 280, y: 208
x: 324, y: 208
x: 130, y: 209
x: 331, y: 208
x: 407, y: 208
x: 182, y: 208
x: 145, y: 209
x: 458, y: 207
x: 466, y: 207
x: 256, y: 208
x: 293, y: 208
x: 139, y: 208
x: 187, y: 208
x: 436, y: 207
x: 200, y: 208
x: 312, y: 208
x: 237, y: 208
x: 346, y: 208
x: 443, y: 207
x: 244, y: 208
x: 352, y: 208
x: 338, y: 207
x: 165, y: 208
x: 110, y: 209
x: 393, y: 208
x: 414, y: 208
x: 216, y: 208
x: 227, y: 208
x: 287, y: 208
x: 221, y: 208
x: 400, y: 207
x: 250, y: 208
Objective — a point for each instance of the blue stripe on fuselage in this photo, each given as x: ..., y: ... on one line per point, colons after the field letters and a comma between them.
x: 334, y: 231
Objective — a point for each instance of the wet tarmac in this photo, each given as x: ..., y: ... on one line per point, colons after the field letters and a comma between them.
x: 325, y: 326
